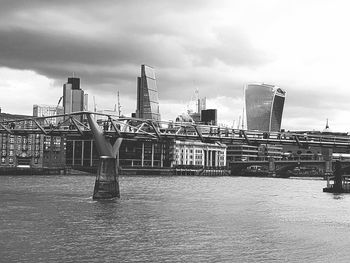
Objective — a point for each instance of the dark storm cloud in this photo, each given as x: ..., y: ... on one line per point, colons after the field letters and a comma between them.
x: 105, y: 42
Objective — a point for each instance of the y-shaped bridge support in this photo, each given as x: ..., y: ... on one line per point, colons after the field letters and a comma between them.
x: 107, y: 182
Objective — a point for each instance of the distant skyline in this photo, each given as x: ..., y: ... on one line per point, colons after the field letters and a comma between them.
x: 214, y: 46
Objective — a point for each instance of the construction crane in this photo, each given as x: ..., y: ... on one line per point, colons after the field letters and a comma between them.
x: 194, y: 98
x: 59, y: 101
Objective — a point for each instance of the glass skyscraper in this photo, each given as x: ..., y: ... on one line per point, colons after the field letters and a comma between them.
x: 73, y: 97
x: 147, y: 95
x: 264, y: 107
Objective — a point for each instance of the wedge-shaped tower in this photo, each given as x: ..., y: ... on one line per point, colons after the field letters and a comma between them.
x: 147, y: 95
x: 264, y: 107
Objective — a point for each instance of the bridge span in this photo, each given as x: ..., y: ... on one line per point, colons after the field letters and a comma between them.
x: 77, y: 125
x: 109, y: 131
x: 280, y: 168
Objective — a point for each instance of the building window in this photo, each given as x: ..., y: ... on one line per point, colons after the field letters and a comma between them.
x: 11, y: 160
x: 3, y: 160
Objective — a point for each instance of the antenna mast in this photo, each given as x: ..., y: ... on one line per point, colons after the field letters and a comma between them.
x: 94, y: 104
x: 243, y: 119
x: 243, y: 107
x: 119, y: 106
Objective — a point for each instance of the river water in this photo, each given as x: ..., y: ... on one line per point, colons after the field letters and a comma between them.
x: 172, y: 219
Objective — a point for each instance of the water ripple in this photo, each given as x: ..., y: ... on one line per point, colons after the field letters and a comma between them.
x: 172, y: 219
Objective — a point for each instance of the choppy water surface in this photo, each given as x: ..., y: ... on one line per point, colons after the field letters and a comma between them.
x: 172, y: 219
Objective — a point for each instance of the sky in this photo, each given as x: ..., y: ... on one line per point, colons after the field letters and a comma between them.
x: 215, y: 47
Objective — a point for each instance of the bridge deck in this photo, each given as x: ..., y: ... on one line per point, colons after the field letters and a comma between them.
x: 132, y: 128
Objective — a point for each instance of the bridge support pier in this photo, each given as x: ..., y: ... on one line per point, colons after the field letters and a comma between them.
x: 107, y: 183
x: 327, y: 157
x: 272, y: 167
x: 338, y: 178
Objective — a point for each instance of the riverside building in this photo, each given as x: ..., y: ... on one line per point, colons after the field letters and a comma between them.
x: 264, y: 107
x: 149, y: 154
x: 200, y: 154
x: 30, y: 150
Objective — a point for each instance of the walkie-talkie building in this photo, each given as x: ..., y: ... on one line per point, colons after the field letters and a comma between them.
x: 147, y: 95
x: 264, y: 107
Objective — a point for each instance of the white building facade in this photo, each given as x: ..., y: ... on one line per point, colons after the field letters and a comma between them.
x: 200, y: 154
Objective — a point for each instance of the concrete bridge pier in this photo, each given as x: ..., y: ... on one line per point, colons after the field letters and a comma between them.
x: 327, y: 154
x: 107, y: 182
x: 272, y: 167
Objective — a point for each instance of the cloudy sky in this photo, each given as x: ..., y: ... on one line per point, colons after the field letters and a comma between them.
x: 213, y: 46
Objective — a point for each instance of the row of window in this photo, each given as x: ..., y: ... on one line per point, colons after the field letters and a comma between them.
x: 190, y: 157
x: 11, y: 152
x: 11, y: 160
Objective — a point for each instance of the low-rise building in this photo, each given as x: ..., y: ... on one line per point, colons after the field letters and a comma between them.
x: 200, y: 154
x: 242, y: 152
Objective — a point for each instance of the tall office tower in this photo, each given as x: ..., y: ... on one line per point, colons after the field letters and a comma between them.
x: 86, y: 102
x: 73, y: 96
x: 202, y: 104
x: 75, y: 82
x: 264, y: 107
x: 147, y: 95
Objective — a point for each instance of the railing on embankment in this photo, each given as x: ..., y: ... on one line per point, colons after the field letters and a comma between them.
x: 202, y: 170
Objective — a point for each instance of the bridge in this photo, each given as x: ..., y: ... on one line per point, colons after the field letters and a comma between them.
x: 108, y: 132
x: 122, y: 127
x: 280, y: 168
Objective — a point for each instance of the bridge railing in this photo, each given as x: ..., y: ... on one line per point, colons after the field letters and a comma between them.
x: 115, y: 126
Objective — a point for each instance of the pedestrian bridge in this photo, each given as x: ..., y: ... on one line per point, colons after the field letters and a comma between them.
x: 281, y: 167
x: 108, y: 132
x: 78, y: 125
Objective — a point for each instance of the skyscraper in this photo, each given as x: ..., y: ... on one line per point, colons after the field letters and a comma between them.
x: 73, y: 96
x: 147, y: 95
x: 264, y: 107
